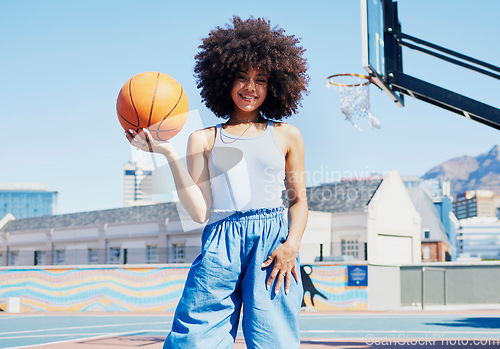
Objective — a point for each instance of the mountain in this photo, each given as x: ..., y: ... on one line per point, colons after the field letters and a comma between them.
x: 470, y: 172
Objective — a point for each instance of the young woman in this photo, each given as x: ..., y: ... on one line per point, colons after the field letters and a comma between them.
x: 249, y: 74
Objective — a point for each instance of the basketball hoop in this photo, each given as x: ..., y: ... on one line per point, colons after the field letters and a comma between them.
x: 354, y: 97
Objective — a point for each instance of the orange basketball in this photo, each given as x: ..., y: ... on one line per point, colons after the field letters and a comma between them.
x: 154, y: 101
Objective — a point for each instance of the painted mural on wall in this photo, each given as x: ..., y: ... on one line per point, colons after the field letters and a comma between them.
x: 151, y: 288
x: 326, y: 289
x: 95, y: 289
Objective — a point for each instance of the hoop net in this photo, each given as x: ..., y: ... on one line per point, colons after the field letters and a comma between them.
x: 354, y: 97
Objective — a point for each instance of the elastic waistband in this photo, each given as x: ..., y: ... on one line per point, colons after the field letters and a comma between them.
x: 235, y: 215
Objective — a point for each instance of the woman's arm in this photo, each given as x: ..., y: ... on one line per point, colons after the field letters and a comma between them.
x: 284, y: 256
x: 192, y: 183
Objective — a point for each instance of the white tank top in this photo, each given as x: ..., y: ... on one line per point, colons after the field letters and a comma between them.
x: 246, y: 172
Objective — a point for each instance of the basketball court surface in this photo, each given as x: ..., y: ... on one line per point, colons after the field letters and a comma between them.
x: 418, y: 329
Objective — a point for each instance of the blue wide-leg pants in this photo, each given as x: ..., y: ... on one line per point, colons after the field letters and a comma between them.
x: 228, y: 275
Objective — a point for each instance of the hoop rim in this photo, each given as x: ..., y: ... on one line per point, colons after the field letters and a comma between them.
x: 366, y: 77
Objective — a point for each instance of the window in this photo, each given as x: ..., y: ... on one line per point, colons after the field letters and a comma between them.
x: 114, y: 255
x: 426, y: 252
x: 350, y: 248
x: 93, y: 256
x: 151, y: 254
x: 427, y: 234
x: 60, y: 257
x: 13, y: 258
x: 40, y: 257
x: 179, y: 253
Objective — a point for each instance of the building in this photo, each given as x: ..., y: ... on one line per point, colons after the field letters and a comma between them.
x: 438, y: 227
x: 435, y: 243
x: 475, y: 203
x: 497, y: 206
x: 444, y: 208
x: 373, y: 220
x: 138, y: 181
x: 479, y: 238
x: 437, y: 187
x: 160, y: 233
x: 27, y: 200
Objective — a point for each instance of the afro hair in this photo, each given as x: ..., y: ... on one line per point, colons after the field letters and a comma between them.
x: 251, y: 43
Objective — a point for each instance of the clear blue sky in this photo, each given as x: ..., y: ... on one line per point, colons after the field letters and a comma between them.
x: 63, y: 63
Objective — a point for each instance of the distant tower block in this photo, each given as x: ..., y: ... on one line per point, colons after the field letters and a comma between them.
x: 138, y: 181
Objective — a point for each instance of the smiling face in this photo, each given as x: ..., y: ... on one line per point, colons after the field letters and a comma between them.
x: 249, y: 90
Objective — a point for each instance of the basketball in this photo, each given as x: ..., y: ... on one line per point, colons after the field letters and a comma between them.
x: 154, y: 101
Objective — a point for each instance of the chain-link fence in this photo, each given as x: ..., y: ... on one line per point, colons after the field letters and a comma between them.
x: 344, y: 251
x: 139, y: 255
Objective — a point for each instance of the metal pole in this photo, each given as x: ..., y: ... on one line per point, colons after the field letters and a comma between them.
x: 449, y: 100
x: 444, y: 286
x: 452, y: 60
x: 400, y: 36
x: 423, y: 287
x: 321, y: 252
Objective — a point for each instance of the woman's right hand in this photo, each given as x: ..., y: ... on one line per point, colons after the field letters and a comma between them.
x: 145, y: 142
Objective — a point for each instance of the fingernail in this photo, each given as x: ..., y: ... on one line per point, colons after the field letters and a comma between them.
x: 267, y: 287
x: 286, y: 292
x: 275, y: 292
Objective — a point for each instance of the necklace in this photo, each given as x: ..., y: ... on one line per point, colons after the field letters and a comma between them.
x: 252, y: 122
x: 223, y: 141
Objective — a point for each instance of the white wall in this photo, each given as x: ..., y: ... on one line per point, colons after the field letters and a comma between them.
x: 132, y: 230
x: 75, y: 234
x: 384, y: 288
x: 27, y: 239
x: 349, y: 225
x: 394, y: 225
x: 318, y: 231
x: 398, y: 249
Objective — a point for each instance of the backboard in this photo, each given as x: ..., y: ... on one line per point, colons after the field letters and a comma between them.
x: 381, y: 53
x: 382, y: 42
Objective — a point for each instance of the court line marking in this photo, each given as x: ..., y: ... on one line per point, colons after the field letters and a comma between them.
x: 75, y: 339
x: 10, y: 317
x: 307, y: 317
x: 57, y: 335
x: 78, y: 334
x: 93, y: 326
x: 398, y: 331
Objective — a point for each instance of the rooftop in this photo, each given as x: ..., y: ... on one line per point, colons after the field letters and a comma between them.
x: 431, y: 222
x: 134, y: 214
x: 23, y: 187
x: 348, y: 196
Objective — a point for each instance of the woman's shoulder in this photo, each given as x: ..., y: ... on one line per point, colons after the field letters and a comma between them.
x: 288, y: 136
x: 203, y: 137
x: 204, y: 131
x: 286, y: 130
